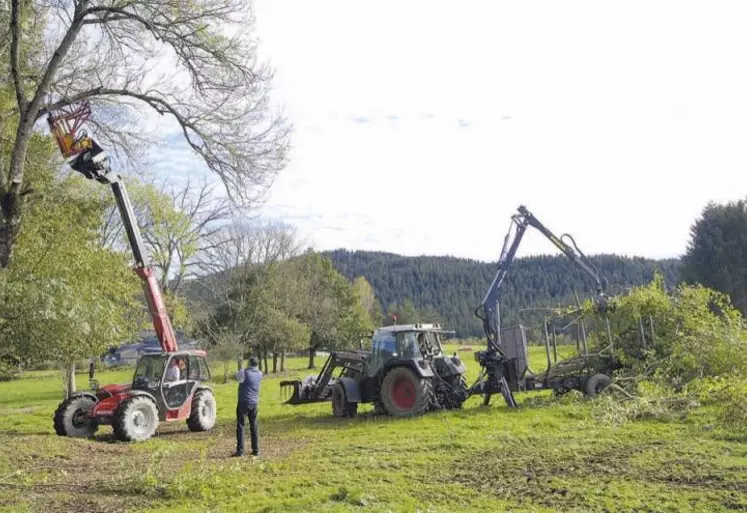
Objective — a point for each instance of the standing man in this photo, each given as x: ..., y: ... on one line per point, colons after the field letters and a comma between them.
x: 249, y: 380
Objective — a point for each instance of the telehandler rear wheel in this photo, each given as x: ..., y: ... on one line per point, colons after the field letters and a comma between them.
x: 136, y: 419
x: 70, y: 418
x: 404, y: 393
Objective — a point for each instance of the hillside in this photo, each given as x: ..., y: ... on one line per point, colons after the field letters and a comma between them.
x: 454, y: 287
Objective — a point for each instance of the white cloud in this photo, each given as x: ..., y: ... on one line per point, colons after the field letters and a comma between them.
x: 421, y: 126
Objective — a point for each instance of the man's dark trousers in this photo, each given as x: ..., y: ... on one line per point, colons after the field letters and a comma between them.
x: 242, y: 411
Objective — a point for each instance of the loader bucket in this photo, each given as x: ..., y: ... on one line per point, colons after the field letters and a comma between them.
x: 292, y: 388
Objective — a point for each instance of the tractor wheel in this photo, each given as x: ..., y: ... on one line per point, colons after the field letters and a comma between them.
x: 70, y: 418
x: 136, y: 419
x: 458, y: 392
x: 340, y: 405
x: 379, y: 408
x: 202, y: 416
x: 596, y: 384
x: 404, y: 393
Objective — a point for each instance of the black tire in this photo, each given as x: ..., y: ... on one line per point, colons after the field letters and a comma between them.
x: 204, y: 411
x: 136, y: 419
x: 404, y: 393
x: 596, y: 384
x: 69, y: 418
x: 458, y: 393
x: 340, y: 405
x: 379, y: 408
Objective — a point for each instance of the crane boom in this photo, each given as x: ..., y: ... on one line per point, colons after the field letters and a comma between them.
x: 88, y: 158
x: 495, y: 356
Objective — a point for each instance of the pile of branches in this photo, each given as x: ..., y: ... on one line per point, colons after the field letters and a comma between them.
x: 676, y: 350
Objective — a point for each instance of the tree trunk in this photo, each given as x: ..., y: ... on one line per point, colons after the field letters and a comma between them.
x: 282, y: 360
x: 312, y: 353
x: 274, y: 362
x: 267, y: 367
x: 10, y: 225
x: 69, y: 373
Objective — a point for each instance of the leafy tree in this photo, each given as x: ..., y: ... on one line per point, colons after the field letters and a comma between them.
x: 332, y: 309
x: 64, y: 296
x: 368, y: 300
x: 102, y: 51
x: 716, y: 255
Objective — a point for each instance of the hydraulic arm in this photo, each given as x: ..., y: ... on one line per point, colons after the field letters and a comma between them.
x: 493, y: 359
x: 88, y: 158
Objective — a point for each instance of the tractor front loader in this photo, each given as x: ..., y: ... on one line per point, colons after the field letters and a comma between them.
x: 406, y: 373
x: 167, y: 386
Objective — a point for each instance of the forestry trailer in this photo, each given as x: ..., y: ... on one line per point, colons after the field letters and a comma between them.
x: 405, y: 373
x: 167, y: 386
x: 504, y: 365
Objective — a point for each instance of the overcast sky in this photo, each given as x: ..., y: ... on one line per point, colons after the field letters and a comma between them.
x: 421, y: 126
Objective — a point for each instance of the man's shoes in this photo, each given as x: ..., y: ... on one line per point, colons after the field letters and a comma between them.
x: 237, y: 454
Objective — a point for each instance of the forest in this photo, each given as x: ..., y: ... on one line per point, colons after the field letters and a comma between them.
x: 448, y: 289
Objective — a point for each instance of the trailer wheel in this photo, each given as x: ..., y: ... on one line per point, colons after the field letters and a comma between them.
x: 136, y: 419
x: 340, y: 405
x: 202, y: 415
x: 596, y: 384
x: 404, y: 393
x: 70, y: 418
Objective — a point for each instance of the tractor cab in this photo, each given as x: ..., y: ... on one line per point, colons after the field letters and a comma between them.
x: 171, y: 377
x: 405, y: 341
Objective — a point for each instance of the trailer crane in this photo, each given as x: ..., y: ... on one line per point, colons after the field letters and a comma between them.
x: 167, y: 386
x: 498, y: 366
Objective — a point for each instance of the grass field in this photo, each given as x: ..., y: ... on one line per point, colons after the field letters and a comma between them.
x: 543, y: 456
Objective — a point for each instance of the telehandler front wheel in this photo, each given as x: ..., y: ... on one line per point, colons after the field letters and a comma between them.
x: 202, y: 415
x: 136, y: 419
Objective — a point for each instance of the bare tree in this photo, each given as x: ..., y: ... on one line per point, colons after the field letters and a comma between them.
x: 191, y: 61
x: 239, y: 276
x: 176, y: 231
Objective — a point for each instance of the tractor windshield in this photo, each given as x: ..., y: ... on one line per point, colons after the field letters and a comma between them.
x: 429, y: 343
x: 409, y: 344
x: 149, y: 371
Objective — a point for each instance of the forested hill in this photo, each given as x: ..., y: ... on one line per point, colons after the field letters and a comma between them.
x: 454, y: 287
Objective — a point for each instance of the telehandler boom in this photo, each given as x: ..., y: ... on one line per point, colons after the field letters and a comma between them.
x: 167, y: 386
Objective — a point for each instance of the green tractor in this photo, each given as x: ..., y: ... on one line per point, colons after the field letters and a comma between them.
x: 405, y: 373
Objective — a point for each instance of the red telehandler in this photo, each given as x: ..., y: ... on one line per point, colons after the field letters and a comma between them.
x: 167, y: 386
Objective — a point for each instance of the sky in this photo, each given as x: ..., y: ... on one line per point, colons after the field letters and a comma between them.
x: 420, y: 127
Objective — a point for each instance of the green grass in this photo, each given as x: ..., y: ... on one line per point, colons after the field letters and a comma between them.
x: 544, y: 456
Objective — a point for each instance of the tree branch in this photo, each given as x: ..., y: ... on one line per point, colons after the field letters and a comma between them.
x: 15, y: 44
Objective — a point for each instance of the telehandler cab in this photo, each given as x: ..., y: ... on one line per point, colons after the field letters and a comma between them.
x: 167, y: 386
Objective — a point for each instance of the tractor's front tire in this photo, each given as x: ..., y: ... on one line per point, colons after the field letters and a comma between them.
x: 340, y: 405
x: 70, y: 418
x: 136, y: 419
x: 404, y: 393
x: 203, y: 413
